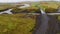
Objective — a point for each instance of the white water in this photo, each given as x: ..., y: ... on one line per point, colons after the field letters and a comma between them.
x: 42, y: 11
x: 25, y: 5
x: 7, y: 11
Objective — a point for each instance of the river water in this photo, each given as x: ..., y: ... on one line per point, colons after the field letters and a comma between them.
x: 9, y: 10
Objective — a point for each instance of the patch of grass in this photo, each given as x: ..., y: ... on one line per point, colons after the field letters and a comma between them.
x: 16, y: 24
x: 58, y: 33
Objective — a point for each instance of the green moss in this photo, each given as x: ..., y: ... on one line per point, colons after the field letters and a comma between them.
x: 58, y: 17
x: 58, y: 33
x: 15, y: 24
x: 50, y: 10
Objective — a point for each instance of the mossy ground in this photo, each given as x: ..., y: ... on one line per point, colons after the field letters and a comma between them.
x: 16, y: 24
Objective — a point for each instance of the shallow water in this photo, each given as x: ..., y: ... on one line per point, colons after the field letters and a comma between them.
x: 7, y: 11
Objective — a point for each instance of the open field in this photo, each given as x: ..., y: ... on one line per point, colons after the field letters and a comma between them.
x: 16, y: 24
x: 33, y: 4
x: 21, y: 23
